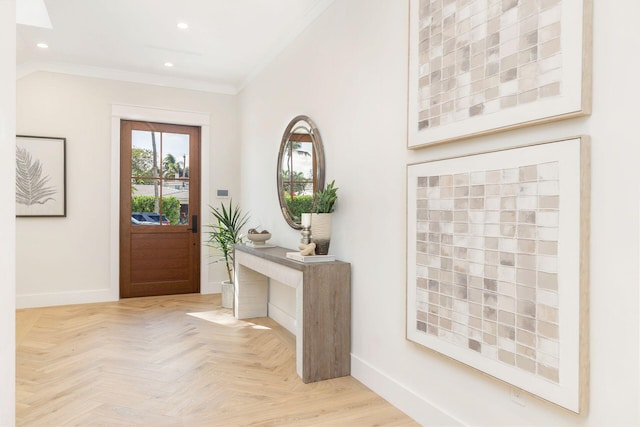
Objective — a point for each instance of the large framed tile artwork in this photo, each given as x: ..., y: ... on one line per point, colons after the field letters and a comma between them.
x: 482, y: 66
x: 497, y: 270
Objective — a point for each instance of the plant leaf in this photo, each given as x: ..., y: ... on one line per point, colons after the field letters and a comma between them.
x: 31, y: 186
x: 227, y: 232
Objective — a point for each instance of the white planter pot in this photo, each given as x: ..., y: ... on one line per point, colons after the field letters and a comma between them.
x: 227, y: 294
x: 321, y: 232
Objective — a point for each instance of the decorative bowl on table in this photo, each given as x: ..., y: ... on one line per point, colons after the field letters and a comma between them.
x: 258, y: 238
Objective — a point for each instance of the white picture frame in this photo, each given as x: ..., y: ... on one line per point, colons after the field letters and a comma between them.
x: 40, y: 176
x: 497, y: 265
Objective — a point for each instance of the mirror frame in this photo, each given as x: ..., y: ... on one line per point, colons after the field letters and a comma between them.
x: 318, y: 173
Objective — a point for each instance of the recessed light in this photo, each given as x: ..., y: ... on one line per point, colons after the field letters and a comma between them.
x: 183, y: 25
x: 43, y: 45
x: 168, y: 64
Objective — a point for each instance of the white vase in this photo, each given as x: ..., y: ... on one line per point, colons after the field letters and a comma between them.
x: 227, y: 294
x: 321, y: 232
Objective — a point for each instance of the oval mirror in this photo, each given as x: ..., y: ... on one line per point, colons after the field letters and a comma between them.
x: 300, y: 169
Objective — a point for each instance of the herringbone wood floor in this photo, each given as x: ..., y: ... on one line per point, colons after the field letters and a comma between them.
x: 147, y: 361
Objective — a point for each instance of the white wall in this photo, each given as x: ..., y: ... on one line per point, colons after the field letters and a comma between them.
x: 348, y: 72
x: 7, y: 211
x: 66, y: 260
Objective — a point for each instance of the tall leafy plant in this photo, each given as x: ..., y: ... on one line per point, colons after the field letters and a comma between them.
x: 227, y: 231
x: 324, y: 199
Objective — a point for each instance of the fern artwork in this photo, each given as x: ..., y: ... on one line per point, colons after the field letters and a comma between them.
x: 31, y: 185
x: 40, y: 176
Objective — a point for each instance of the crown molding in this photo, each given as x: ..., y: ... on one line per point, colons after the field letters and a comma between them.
x: 23, y: 70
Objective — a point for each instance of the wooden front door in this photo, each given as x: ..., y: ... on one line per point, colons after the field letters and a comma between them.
x: 159, y: 209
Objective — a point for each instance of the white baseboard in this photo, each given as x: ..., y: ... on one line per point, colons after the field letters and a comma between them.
x: 64, y: 298
x: 85, y: 297
x: 415, y: 406
x: 282, y: 318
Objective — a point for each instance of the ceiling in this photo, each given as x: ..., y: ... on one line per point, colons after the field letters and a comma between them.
x: 226, y: 44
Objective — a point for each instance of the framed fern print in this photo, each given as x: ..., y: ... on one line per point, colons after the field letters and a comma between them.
x: 40, y: 176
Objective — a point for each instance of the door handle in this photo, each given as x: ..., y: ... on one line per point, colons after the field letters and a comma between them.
x: 194, y: 223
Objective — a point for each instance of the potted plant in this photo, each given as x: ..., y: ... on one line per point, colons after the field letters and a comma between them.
x: 321, y: 217
x: 223, y: 234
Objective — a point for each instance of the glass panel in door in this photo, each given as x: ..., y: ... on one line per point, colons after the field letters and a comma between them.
x: 159, y: 178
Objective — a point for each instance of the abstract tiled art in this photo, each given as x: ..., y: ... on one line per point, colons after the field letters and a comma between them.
x: 488, y: 244
x: 492, y: 61
x: 494, y: 261
x: 486, y: 56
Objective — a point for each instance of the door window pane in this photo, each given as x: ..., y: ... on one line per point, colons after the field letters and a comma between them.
x: 176, y: 201
x: 145, y: 153
x: 175, y: 155
x: 145, y: 203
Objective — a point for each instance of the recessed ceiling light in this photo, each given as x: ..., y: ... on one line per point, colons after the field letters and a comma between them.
x: 183, y: 25
x: 168, y: 64
x: 43, y: 45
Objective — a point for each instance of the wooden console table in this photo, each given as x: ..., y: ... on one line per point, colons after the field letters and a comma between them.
x: 323, y: 306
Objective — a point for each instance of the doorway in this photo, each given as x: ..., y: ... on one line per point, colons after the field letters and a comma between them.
x: 159, y: 209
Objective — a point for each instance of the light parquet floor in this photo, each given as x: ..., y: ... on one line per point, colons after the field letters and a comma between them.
x: 174, y: 361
